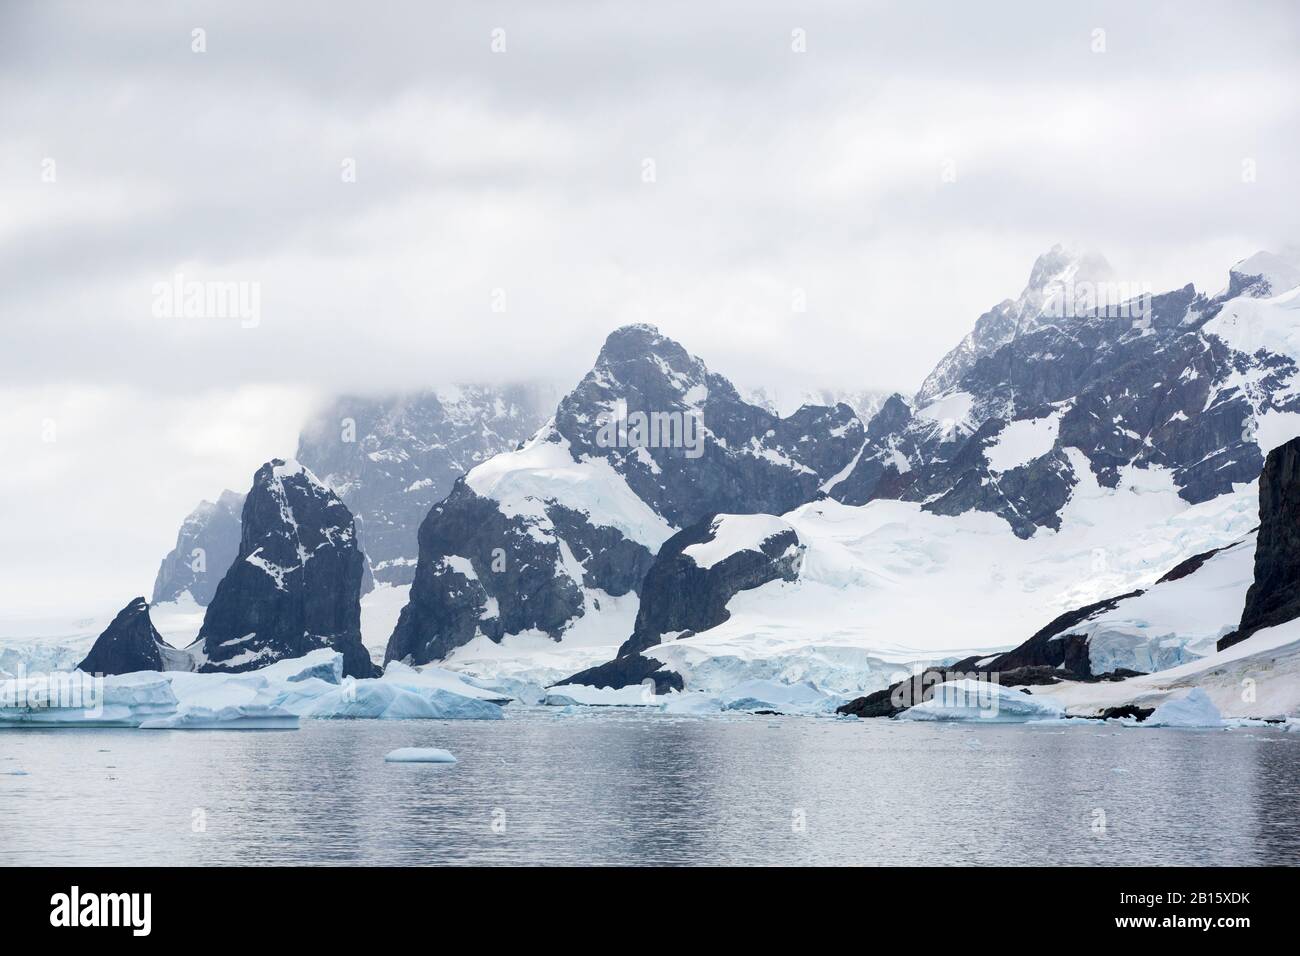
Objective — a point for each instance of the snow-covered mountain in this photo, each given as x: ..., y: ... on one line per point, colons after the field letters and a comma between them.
x: 391, y: 458
x: 1076, y: 487
x: 1083, y: 663
x: 783, y: 402
x: 205, y: 545
x: 1053, y: 274
x: 539, y: 541
x: 1114, y: 451
x: 1196, y: 387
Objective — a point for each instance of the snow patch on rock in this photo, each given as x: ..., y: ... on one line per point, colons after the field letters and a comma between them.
x: 733, y: 533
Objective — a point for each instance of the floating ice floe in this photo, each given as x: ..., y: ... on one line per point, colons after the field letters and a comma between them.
x: 274, y: 697
x: 77, y: 700
x: 634, y: 695
x: 235, y: 717
x: 978, y: 700
x: 432, y: 677
x: 383, y: 700
x: 750, y: 696
x: 419, y: 755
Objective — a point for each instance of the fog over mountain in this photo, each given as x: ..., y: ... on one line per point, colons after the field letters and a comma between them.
x: 817, y: 206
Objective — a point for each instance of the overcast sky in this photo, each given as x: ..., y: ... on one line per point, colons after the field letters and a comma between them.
x: 518, y: 177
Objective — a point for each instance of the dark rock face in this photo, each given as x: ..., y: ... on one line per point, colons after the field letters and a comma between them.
x: 390, y: 459
x: 745, y: 460
x: 1127, y: 710
x: 674, y: 433
x: 899, y: 696
x: 295, y: 585
x: 1146, y: 387
x: 131, y: 644
x: 1191, y: 565
x: 1274, y: 597
x: 680, y: 595
x: 1013, y: 317
x: 626, y: 671
x: 205, y: 547
x: 482, y: 571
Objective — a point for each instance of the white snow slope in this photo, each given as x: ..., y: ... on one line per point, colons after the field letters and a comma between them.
x: 887, y: 584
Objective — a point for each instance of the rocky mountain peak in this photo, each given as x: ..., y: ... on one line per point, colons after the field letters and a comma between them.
x: 1262, y: 275
x: 639, y: 358
x: 1048, y: 280
x: 1066, y: 263
x: 295, y: 584
x: 131, y: 643
x: 1274, y: 597
x: 206, y: 544
x: 648, y: 441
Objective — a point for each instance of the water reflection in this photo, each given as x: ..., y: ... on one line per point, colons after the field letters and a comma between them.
x: 627, y: 788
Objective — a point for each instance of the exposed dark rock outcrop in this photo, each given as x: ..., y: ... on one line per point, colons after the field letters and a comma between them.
x: 681, y: 595
x: 744, y: 460
x: 131, y: 643
x: 628, y: 670
x: 1274, y: 597
x: 1054, y: 646
x: 295, y: 585
x: 687, y: 590
x: 1127, y: 710
x: 1193, y: 564
x: 205, y: 547
x: 484, y: 571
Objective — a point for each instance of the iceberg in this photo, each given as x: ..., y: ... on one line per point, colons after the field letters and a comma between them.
x: 275, y: 697
x: 237, y: 717
x: 978, y: 700
x: 323, y: 664
x: 74, y: 699
x: 432, y: 677
x: 1193, y: 709
x: 419, y: 755
x: 569, y: 695
x: 691, y: 704
x: 377, y: 699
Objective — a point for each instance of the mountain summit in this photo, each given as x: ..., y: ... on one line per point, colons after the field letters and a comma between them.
x: 1052, y: 272
x: 295, y: 585
x: 565, y: 528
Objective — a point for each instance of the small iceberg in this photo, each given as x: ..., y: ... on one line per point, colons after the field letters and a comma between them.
x: 385, y: 700
x: 419, y: 755
x: 1194, y: 709
x: 438, y: 678
x: 978, y: 700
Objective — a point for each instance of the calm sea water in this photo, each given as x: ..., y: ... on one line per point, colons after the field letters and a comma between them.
x: 628, y: 788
